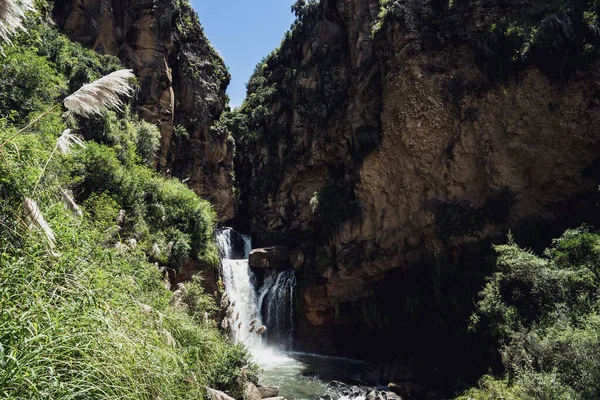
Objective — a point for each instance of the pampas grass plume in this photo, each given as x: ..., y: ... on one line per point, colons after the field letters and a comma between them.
x: 101, y: 95
x: 67, y: 141
x: 34, y: 219
x: 12, y: 13
x: 70, y: 203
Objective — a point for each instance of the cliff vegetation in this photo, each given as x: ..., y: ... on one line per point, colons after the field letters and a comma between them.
x: 85, y: 224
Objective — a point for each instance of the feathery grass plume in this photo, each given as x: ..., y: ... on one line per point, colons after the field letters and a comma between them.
x: 34, y: 219
x: 224, y: 301
x: 70, y: 203
x: 12, y: 13
x: 67, y: 141
x: 120, y: 217
x: 155, y: 252
x: 225, y: 324
x: 121, y: 248
x: 101, y: 95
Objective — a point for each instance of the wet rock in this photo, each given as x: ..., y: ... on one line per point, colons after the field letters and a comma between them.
x: 338, y: 390
x: 270, y: 257
x: 268, y: 392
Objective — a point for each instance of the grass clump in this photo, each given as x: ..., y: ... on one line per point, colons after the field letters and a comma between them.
x: 87, y: 315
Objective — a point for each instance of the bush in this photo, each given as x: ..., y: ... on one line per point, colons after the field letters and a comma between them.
x: 29, y: 84
x: 546, y: 313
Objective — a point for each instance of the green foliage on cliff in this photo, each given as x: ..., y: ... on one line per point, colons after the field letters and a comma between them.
x: 84, y: 312
x: 187, y: 26
x: 557, y: 37
x: 545, y: 312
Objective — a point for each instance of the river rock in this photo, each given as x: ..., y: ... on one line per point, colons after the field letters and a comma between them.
x: 268, y: 392
x: 270, y: 257
x: 339, y: 390
x: 251, y: 392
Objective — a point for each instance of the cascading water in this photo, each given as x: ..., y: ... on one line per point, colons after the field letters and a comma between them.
x: 251, y: 305
x: 266, y: 296
x: 243, y: 316
x: 276, y: 302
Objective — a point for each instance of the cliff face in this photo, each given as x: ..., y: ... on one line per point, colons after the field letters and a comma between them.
x: 182, y: 83
x: 393, y: 161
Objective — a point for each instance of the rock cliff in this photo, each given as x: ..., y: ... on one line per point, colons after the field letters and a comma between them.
x: 182, y: 83
x: 392, y: 144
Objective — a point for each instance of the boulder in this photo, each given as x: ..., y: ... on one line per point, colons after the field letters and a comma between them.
x: 218, y: 395
x: 267, y: 392
x: 270, y: 257
x: 251, y: 392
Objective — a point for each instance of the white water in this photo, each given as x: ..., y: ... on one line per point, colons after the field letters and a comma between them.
x: 242, y: 314
x: 276, y: 303
x: 298, y: 375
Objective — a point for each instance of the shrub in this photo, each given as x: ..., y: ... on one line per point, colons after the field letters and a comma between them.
x: 545, y: 312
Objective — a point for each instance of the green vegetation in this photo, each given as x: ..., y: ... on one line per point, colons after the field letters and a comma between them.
x: 557, y: 37
x: 545, y: 313
x: 189, y: 30
x: 84, y: 312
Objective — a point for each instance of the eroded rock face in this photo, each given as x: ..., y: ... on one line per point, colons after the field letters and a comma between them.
x: 182, y: 83
x: 394, y: 164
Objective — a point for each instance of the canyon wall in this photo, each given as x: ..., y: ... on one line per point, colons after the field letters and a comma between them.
x: 390, y: 146
x: 182, y: 83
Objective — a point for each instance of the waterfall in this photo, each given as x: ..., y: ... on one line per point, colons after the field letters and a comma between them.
x: 253, y: 301
x: 276, y: 304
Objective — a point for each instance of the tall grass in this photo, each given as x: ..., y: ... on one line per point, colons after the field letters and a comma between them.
x: 79, y: 320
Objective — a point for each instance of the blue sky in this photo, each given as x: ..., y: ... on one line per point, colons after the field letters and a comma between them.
x: 243, y: 31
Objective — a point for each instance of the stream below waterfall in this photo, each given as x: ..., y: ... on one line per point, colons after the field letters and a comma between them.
x: 266, y: 298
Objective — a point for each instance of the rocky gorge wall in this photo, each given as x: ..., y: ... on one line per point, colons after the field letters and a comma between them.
x: 182, y: 83
x: 390, y: 145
